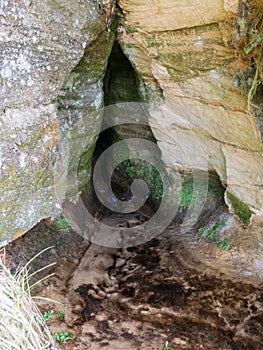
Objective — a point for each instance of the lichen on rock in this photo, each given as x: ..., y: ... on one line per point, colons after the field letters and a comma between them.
x: 41, y: 44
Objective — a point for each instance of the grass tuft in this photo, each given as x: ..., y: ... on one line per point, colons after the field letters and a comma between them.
x: 22, y: 326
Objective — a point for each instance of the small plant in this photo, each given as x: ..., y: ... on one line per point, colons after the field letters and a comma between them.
x: 186, y: 196
x: 190, y: 197
x: 47, y: 315
x: 61, y: 314
x: 138, y: 168
x: 211, y: 234
x: 218, y: 225
x: 63, y: 337
x: 225, y: 244
x: 249, y: 37
x: 167, y: 347
x: 63, y: 224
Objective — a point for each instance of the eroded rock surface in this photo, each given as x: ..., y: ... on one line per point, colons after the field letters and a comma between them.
x: 41, y: 44
x: 188, y: 53
x: 54, y: 57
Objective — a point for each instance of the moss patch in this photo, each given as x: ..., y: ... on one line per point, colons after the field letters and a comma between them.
x: 240, y: 208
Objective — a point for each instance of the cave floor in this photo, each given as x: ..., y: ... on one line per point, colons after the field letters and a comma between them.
x: 141, y: 297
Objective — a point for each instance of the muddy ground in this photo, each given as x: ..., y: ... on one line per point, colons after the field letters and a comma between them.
x: 179, y: 287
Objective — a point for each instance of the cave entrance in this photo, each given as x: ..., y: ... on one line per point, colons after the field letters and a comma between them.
x: 121, y: 84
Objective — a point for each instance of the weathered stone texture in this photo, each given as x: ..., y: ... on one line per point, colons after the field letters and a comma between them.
x: 187, y: 51
x: 52, y: 61
x: 155, y: 15
x: 41, y: 44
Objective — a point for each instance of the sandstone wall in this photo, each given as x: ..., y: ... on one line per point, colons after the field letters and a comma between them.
x: 186, y: 51
x: 53, y: 59
x: 47, y: 47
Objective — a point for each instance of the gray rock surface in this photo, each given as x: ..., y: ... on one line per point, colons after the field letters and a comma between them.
x: 43, y: 46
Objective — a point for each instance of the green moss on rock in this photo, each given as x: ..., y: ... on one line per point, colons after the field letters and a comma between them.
x: 240, y: 208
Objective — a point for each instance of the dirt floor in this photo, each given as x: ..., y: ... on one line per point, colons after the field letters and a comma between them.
x: 141, y: 297
x: 180, y: 287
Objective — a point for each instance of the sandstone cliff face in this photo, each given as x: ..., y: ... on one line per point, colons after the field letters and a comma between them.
x: 53, y: 59
x: 186, y: 52
x: 45, y: 48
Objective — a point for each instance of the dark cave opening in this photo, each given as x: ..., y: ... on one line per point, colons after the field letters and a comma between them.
x: 120, y: 85
x: 120, y: 82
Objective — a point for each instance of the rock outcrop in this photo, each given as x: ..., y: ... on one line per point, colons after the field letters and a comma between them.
x: 49, y: 49
x: 53, y: 60
x: 186, y: 52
